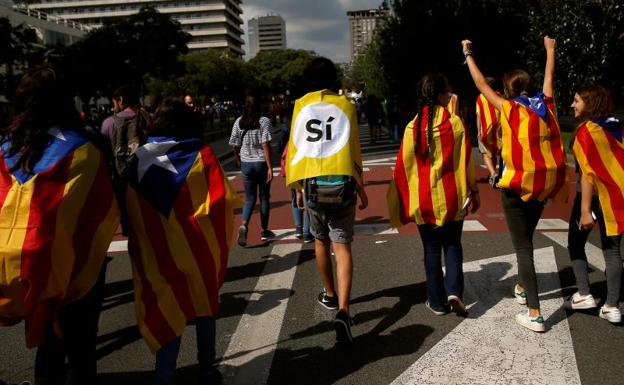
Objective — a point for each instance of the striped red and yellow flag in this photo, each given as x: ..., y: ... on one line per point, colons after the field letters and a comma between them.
x: 601, y: 159
x: 180, y: 211
x: 488, y: 126
x: 432, y: 188
x: 55, y: 227
x: 532, y: 152
x: 453, y: 105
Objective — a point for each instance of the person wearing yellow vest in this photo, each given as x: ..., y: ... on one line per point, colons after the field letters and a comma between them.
x: 324, y: 158
x: 534, y: 166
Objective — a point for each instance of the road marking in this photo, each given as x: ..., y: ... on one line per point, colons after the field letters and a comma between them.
x: 255, y: 339
x: 381, y: 160
x: 489, y: 347
x: 473, y: 225
x: 552, y: 224
x: 118, y: 246
x: 594, y: 254
x: 375, y: 228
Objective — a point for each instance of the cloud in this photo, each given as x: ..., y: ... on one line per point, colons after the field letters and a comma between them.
x: 318, y: 25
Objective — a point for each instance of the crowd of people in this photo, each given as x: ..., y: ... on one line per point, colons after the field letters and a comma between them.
x: 64, y: 190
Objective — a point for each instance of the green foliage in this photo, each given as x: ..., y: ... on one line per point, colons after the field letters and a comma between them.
x: 280, y: 70
x: 590, y: 43
x: 367, y: 72
x: 123, y: 52
x: 209, y: 74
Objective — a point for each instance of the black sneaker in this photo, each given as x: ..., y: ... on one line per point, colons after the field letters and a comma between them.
x: 267, y: 235
x: 299, y: 232
x: 343, y: 324
x: 308, y: 238
x: 330, y: 303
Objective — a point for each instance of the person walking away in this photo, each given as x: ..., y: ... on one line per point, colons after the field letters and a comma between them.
x: 57, y: 218
x: 251, y: 141
x: 534, y: 166
x: 180, y: 211
x: 126, y: 132
x: 599, y: 151
x: 324, y: 159
x: 435, y: 164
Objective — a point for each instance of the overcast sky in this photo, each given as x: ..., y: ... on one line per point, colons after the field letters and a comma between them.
x: 317, y: 25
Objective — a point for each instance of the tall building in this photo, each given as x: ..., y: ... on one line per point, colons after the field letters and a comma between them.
x: 362, y: 26
x: 266, y: 33
x: 211, y: 23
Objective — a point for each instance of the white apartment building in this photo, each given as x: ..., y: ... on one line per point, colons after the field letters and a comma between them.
x: 362, y: 26
x: 211, y: 23
x: 266, y: 33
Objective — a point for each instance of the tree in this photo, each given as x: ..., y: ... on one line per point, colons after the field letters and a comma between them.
x: 281, y: 70
x: 19, y: 50
x: 590, y: 44
x: 125, y: 51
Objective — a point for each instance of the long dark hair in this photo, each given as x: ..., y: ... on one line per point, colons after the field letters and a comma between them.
x: 518, y: 83
x: 430, y: 87
x: 174, y: 118
x: 41, y: 101
x: 252, y: 110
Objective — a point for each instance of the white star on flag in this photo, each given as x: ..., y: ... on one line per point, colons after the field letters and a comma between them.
x: 154, y: 154
x: 57, y: 133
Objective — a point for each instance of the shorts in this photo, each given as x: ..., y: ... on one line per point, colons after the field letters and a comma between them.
x: 337, y: 224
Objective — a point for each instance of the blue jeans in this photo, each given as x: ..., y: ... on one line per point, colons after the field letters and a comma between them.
x: 301, y: 217
x: 254, y: 180
x: 167, y: 356
x: 436, y: 239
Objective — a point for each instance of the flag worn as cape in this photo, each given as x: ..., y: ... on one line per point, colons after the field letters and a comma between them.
x: 453, y: 105
x: 324, y: 138
x: 533, y: 155
x: 488, y: 126
x: 55, y: 227
x: 180, y: 213
x: 601, y: 159
x: 432, y: 188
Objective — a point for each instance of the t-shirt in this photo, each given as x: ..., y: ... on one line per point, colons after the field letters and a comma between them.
x: 251, y: 145
x: 108, y: 126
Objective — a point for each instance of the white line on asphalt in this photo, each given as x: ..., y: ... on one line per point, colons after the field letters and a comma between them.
x: 594, y: 254
x: 552, y: 224
x: 117, y: 246
x: 255, y: 339
x: 490, y: 347
x: 473, y: 225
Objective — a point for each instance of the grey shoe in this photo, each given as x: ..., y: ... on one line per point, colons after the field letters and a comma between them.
x: 242, y: 236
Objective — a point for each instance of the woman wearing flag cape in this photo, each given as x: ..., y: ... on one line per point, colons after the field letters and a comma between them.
x: 599, y: 151
x: 57, y: 217
x: 180, y: 215
x: 434, y: 185
x: 534, y: 166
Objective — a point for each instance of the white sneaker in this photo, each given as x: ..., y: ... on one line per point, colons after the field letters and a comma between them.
x: 611, y: 314
x: 579, y: 302
x: 434, y: 311
x: 457, y: 306
x: 520, y: 295
x: 532, y: 323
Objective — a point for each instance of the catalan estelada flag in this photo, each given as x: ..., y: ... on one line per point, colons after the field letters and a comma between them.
x: 56, y: 224
x: 533, y: 155
x: 432, y: 188
x: 324, y: 138
x: 600, y: 156
x: 180, y: 215
x: 488, y: 126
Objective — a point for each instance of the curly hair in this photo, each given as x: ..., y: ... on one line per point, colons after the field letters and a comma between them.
x: 431, y: 86
x: 41, y: 101
x: 598, y: 101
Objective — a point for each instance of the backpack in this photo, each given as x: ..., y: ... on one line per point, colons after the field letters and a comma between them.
x: 127, y: 137
x: 330, y: 191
